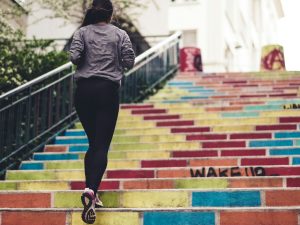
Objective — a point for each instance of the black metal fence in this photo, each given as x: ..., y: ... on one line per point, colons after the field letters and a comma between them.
x: 34, y: 113
x: 151, y: 67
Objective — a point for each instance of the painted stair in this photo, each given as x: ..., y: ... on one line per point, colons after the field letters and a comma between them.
x: 213, y: 149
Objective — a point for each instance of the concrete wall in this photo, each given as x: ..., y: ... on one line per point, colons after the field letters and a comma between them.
x: 18, y: 22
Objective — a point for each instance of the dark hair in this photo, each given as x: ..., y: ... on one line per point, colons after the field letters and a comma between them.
x: 100, y: 11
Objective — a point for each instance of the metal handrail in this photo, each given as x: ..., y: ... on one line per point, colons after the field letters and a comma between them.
x: 34, y: 113
x: 157, y: 47
x: 37, y: 80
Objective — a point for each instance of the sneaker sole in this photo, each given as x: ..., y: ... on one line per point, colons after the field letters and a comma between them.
x: 88, y: 214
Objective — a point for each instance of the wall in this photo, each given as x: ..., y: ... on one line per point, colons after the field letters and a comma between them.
x: 16, y: 22
x: 230, y: 33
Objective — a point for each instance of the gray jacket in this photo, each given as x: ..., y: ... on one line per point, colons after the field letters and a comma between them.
x: 101, y: 50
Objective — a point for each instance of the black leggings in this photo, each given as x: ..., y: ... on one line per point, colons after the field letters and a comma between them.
x: 97, y: 105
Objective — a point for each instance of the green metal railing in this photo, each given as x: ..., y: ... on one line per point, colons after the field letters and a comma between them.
x: 34, y: 113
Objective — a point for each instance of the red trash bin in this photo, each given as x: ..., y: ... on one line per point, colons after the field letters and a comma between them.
x: 190, y: 60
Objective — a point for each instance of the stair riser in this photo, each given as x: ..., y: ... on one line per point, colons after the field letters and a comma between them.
x: 181, y: 137
x: 213, y: 171
x: 231, y: 161
x: 156, y: 199
x: 176, y: 217
x: 167, y: 183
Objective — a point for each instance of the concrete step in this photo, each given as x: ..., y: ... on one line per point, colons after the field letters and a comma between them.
x: 196, y: 145
x: 154, y: 216
x: 66, y: 152
x: 157, y: 163
x: 285, y: 182
x: 120, y: 139
x: 200, y: 168
x: 155, y: 198
x: 283, y: 126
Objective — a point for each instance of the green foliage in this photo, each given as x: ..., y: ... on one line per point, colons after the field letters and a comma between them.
x: 22, y: 60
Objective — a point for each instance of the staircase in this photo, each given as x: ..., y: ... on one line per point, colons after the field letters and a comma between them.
x: 210, y: 149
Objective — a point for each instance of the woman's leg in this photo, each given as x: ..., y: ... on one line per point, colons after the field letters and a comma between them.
x: 96, y: 157
x: 97, y: 105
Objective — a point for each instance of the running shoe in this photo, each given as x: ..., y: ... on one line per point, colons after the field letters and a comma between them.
x: 88, y: 201
x: 98, y: 203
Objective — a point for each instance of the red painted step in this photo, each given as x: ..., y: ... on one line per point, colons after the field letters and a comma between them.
x: 111, y: 174
x: 289, y: 119
x: 175, y: 123
x: 245, y: 152
x: 224, y: 144
x: 23, y: 200
x: 293, y: 182
x: 34, y: 218
x: 284, y: 171
x: 190, y: 130
x: 277, y: 127
x: 206, y: 137
x: 137, y: 106
x: 148, y: 111
x: 284, y: 95
x: 251, y: 136
x: 163, y: 117
x: 265, y: 161
x: 200, y: 153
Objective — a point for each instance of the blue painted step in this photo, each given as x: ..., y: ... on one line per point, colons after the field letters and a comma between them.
x: 179, y: 218
x: 226, y: 199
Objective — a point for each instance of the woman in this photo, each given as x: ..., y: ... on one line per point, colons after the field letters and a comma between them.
x: 101, y: 52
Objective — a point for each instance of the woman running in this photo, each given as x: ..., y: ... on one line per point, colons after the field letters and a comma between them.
x: 101, y: 52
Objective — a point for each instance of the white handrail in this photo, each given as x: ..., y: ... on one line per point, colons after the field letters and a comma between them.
x: 145, y: 54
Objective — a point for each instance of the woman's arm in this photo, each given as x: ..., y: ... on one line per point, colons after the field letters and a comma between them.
x: 76, y: 48
x: 127, y: 53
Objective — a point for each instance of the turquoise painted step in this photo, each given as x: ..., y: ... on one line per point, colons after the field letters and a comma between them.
x: 179, y: 218
x: 285, y: 151
x: 58, y: 156
x: 78, y: 148
x: 202, y: 91
x: 240, y: 114
x: 178, y: 83
x: 71, y: 141
x: 75, y: 133
x: 262, y: 107
x: 271, y: 143
x: 296, y: 161
x: 297, y: 142
x: 287, y: 135
x: 226, y: 199
x: 32, y: 166
x: 289, y: 101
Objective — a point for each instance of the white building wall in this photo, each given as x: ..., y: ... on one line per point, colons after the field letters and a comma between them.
x: 153, y: 19
x: 230, y: 33
x: 42, y: 25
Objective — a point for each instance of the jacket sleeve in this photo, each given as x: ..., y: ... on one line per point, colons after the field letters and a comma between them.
x: 127, y: 53
x: 76, y: 48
